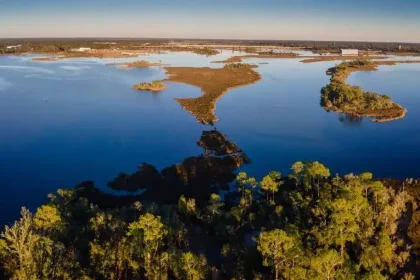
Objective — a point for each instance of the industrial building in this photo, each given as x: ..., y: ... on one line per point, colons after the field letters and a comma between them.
x: 349, y: 52
x: 81, y: 50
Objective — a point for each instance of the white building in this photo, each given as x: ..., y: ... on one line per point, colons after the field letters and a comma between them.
x: 13, y: 47
x: 81, y: 50
x: 349, y: 52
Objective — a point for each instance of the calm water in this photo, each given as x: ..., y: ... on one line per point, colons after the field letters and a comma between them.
x: 95, y: 126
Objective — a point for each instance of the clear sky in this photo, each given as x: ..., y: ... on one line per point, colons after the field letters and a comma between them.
x: 361, y: 20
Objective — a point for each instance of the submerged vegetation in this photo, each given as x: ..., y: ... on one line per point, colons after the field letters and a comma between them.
x: 341, y: 97
x: 305, y: 226
x: 153, y: 86
x: 214, y: 82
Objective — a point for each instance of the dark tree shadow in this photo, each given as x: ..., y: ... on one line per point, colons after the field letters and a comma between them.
x: 196, y: 177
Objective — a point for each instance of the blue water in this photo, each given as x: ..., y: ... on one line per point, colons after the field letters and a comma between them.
x: 94, y: 126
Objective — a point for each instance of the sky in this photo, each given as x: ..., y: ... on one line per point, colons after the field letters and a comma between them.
x: 338, y: 20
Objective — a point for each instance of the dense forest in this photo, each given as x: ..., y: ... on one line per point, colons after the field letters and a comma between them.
x: 308, y: 225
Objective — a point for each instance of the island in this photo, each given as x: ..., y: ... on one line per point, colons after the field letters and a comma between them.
x: 338, y: 96
x: 135, y: 64
x: 154, y: 86
x: 205, y: 51
x: 214, y: 82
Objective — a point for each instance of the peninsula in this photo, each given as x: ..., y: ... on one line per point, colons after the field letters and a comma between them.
x: 338, y: 96
x: 214, y: 82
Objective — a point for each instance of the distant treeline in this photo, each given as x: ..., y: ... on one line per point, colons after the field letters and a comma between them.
x: 54, y: 45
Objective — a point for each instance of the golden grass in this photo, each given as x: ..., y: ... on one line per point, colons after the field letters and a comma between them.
x: 214, y: 82
x: 154, y: 86
x: 138, y: 64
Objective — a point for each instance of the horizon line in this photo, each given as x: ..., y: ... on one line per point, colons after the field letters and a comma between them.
x: 207, y: 39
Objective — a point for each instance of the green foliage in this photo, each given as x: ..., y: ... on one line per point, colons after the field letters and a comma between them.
x: 193, y: 267
x: 352, y: 99
x: 26, y: 254
x: 307, y: 226
x: 270, y: 184
x: 326, y: 263
x: 275, y: 247
x: 47, y: 218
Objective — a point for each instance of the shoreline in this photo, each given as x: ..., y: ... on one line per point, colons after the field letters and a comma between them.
x: 374, y: 117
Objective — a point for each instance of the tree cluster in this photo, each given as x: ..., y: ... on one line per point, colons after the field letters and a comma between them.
x: 342, y: 96
x: 310, y: 225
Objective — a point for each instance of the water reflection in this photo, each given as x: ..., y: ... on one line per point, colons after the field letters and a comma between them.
x: 196, y: 177
x: 350, y: 120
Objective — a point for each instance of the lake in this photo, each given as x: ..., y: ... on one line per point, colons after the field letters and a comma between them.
x: 73, y: 120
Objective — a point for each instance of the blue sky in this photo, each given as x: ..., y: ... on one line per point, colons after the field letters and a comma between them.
x: 368, y: 20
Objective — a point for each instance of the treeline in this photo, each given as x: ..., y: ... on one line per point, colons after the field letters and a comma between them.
x: 65, y: 45
x: 310, y: 225
x: 333, y: 46
x: 50, y: 46
x: 54, y: 45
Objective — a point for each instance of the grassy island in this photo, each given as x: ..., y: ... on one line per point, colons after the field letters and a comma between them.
x: 341, y: 97
x: 154, y: 86
x: 206, y: 51
x: 138, y: 64
x: 214, y: 82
